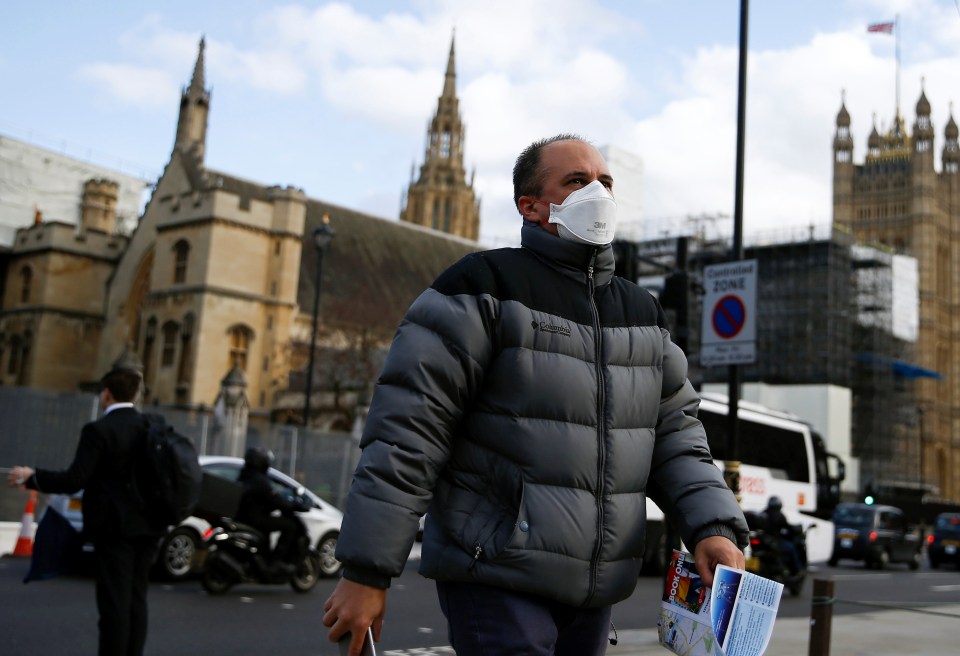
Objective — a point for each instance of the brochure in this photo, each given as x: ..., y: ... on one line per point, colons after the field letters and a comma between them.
x: 734, y: 618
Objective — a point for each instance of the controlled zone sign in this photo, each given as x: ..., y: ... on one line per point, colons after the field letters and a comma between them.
x: 729, y: 326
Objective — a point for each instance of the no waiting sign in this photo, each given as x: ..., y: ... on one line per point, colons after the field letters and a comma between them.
x: 729, y: 326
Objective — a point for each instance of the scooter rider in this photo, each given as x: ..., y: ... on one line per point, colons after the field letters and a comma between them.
x: 777, y: 524
x: 259, y: 501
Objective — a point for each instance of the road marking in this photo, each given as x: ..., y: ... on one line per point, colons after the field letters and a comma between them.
x: 855, y: 577
x: 945, y: 588
x: 420, y: 651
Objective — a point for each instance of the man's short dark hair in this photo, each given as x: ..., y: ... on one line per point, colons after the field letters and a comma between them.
x: 123, y: 383
x: 527, y: 176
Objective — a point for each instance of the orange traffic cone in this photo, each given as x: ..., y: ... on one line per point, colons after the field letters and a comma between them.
x: 24, y: 546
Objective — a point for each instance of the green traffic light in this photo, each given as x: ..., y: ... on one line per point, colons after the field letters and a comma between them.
x: 868, y: 500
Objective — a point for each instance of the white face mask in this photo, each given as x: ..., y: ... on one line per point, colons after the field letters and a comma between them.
x: 588, y: 215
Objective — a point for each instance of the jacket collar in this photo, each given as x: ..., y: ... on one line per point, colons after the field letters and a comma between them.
x: 570, y: 258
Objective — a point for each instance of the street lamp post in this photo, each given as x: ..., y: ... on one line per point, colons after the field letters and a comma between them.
x: 322, y: 237
x: 920, y: 444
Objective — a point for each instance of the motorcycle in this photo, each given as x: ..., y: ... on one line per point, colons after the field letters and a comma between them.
x: 239, y: 553
x: 766, y: 557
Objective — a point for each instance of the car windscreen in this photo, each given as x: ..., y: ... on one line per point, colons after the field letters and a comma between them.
x: 948, y: 525
x: 853, y: 517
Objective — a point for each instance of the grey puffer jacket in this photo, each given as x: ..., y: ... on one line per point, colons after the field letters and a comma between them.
x: 532, y: 400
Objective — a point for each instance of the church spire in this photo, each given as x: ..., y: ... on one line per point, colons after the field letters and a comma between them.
x: 450, y: 79
x: 442, y: 198
x: 194, y: 108
x: 196, y: 82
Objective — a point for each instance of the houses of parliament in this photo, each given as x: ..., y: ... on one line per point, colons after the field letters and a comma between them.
x: 219, y: 276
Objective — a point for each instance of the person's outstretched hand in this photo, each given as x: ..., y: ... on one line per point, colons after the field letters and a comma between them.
x: 18, y: 475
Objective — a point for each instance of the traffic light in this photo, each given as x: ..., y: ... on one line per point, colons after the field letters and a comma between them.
x: 625, y: 259
x: 868, y: 495
x: 676, y: 297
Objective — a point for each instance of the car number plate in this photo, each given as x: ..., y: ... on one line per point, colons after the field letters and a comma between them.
x: 75, y: 504
x: 846, y: 543
x: 753, y: 564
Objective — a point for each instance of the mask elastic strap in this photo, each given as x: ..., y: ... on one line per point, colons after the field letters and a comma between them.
x: 542, y: 222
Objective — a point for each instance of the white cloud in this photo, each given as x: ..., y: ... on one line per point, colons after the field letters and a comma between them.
x: 271, y: 70
x: 135, y: 85
x: 647, y: 80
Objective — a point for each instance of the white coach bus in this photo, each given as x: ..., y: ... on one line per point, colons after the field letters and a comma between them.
x: 780, y: 455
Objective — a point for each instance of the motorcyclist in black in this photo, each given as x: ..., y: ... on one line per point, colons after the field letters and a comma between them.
x: 776, y: 524
x: 259, y: 501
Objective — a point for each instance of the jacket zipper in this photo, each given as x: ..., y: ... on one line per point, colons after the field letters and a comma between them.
x: 477, y: 551
x: 601, y: 401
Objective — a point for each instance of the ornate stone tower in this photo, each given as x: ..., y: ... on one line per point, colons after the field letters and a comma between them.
x: 897, y: 199
x: 194, y: 111
x: 442, y: 198
x: 208, y: 282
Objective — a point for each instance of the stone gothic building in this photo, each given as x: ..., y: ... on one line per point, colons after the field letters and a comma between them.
x: 217, y: 277
x: 899, y: 200
x: 441, y: 198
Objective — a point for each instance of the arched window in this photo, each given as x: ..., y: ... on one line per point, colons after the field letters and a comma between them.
x: 24, y: 357
x: 445, y: 144
x: 13, y: 365
x: 239, y: 338
x: 170, y: 332
x: 149, y: 337
x: 186, y: 334
x: 181, y: 251
x: 26, y: 281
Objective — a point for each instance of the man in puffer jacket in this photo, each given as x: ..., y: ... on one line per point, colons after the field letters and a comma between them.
x: 531, y: 401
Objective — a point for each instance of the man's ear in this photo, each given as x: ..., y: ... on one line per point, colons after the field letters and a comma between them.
x: 106, y: 398
x: 528, y: 208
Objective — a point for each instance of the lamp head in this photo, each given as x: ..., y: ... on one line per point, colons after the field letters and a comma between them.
x: 323, y: 235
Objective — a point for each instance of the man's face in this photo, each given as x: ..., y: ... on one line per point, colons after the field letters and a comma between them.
x: 566, y: 166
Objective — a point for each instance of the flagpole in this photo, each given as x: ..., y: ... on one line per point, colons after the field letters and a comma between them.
x: 896, y: 29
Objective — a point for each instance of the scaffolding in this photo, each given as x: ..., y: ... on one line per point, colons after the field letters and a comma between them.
x: 825, y: 315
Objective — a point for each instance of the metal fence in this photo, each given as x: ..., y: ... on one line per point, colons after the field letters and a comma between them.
x: 41, y: 428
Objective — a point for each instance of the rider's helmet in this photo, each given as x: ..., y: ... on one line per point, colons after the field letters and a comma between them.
x: 258, y: 459
x: 774, y: 503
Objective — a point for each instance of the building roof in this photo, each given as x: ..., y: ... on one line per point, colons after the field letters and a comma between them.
x: 373, y: 269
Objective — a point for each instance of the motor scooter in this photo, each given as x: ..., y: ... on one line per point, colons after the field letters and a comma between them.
x: 766, y: 556
x: 239, y: 553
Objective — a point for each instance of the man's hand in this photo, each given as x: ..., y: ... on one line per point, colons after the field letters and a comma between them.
x: 713, y: 551
x: 354, y: 607
x: 18, y: 476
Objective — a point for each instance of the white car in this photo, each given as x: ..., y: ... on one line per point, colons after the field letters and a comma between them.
x: 181, y: 552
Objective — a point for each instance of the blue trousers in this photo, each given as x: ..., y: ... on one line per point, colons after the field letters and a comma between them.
x: 483, y: 620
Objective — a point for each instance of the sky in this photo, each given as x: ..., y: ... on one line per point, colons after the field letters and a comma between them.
x: 336, y: 97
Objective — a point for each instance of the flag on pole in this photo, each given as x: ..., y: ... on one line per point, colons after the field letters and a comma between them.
x: 886, y: 28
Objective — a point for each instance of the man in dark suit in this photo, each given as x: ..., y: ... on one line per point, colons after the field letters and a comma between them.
x: 124, y: 541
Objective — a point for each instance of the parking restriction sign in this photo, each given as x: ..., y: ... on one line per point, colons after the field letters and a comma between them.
x: 729, y: 326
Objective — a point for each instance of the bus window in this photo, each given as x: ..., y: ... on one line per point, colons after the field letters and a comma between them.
x: 780, y: 450
x: 716, y: 427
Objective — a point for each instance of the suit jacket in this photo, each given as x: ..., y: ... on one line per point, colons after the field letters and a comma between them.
x: 103, y: 469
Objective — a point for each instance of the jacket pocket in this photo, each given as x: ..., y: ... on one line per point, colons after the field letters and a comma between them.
x: 491, y: 529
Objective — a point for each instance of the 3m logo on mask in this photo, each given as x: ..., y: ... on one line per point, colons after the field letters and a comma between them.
x: 587, y: 216
x: 545, y: 327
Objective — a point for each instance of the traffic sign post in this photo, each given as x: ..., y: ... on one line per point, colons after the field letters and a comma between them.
x: 729, y: 326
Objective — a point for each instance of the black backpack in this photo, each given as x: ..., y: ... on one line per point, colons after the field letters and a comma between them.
x: 167, y: 476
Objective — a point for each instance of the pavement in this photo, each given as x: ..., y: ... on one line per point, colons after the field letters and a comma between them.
x: 926, y: 631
